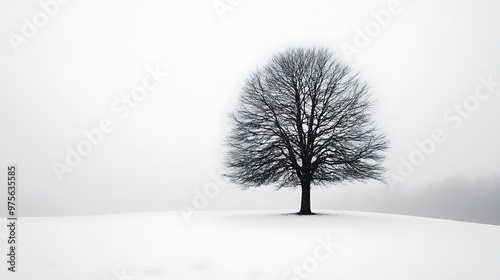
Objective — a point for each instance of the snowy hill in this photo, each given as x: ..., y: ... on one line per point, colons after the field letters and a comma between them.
x: 254, y: 245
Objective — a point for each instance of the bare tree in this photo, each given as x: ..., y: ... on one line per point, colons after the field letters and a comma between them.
x: 303, y: 120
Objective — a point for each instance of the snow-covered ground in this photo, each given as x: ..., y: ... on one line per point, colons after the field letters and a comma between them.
x: 254, y: 245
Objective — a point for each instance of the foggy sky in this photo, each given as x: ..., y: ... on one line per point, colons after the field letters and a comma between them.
x: 424, y: 66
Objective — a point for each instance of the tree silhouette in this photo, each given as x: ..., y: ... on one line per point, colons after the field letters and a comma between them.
x: 303, y: 120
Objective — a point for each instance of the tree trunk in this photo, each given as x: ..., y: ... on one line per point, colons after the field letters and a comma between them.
x: 305, y: 204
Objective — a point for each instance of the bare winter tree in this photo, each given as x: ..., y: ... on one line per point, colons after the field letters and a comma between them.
x: 303, y: 120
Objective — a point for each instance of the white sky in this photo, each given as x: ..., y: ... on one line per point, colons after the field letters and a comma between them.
x: 64, y: 80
